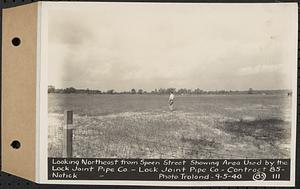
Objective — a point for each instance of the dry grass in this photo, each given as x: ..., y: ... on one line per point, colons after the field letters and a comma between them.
x: 140, y: 126
x: 171, y: 135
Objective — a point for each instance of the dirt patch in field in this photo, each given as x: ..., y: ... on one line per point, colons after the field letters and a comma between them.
x: 270, y: 130
x: 261, y: 138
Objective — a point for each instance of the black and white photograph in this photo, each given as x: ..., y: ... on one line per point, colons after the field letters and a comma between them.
x: 171, y: 80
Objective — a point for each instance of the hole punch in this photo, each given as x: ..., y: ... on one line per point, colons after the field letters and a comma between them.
x: 15, y: 144
x: 16, y: 41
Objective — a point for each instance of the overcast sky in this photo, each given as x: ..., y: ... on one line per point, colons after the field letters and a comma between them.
x: 133, y: 45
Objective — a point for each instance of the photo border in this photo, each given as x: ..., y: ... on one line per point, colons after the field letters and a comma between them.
x: 44, y: 119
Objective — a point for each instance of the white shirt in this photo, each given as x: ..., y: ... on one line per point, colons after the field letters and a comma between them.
x: 171, y: 97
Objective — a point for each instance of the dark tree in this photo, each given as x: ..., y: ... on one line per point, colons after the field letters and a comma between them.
x: 70, y: 90
x: 111, y: 91
x: 140, y: 91
x: 51, y: 89
x: 250, y: 91
x: 133, y: 91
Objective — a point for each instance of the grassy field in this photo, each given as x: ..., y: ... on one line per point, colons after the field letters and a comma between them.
x: 141, y: 126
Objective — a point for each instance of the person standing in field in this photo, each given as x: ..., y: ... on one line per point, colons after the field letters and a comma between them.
x: 171, y: 101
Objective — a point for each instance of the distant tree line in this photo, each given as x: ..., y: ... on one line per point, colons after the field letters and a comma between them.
x: 163, y: 91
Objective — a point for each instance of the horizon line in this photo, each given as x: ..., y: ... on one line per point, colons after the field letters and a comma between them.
x: 170, y: 88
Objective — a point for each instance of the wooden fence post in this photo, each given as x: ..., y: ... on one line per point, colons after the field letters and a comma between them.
x: 68, y: 134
